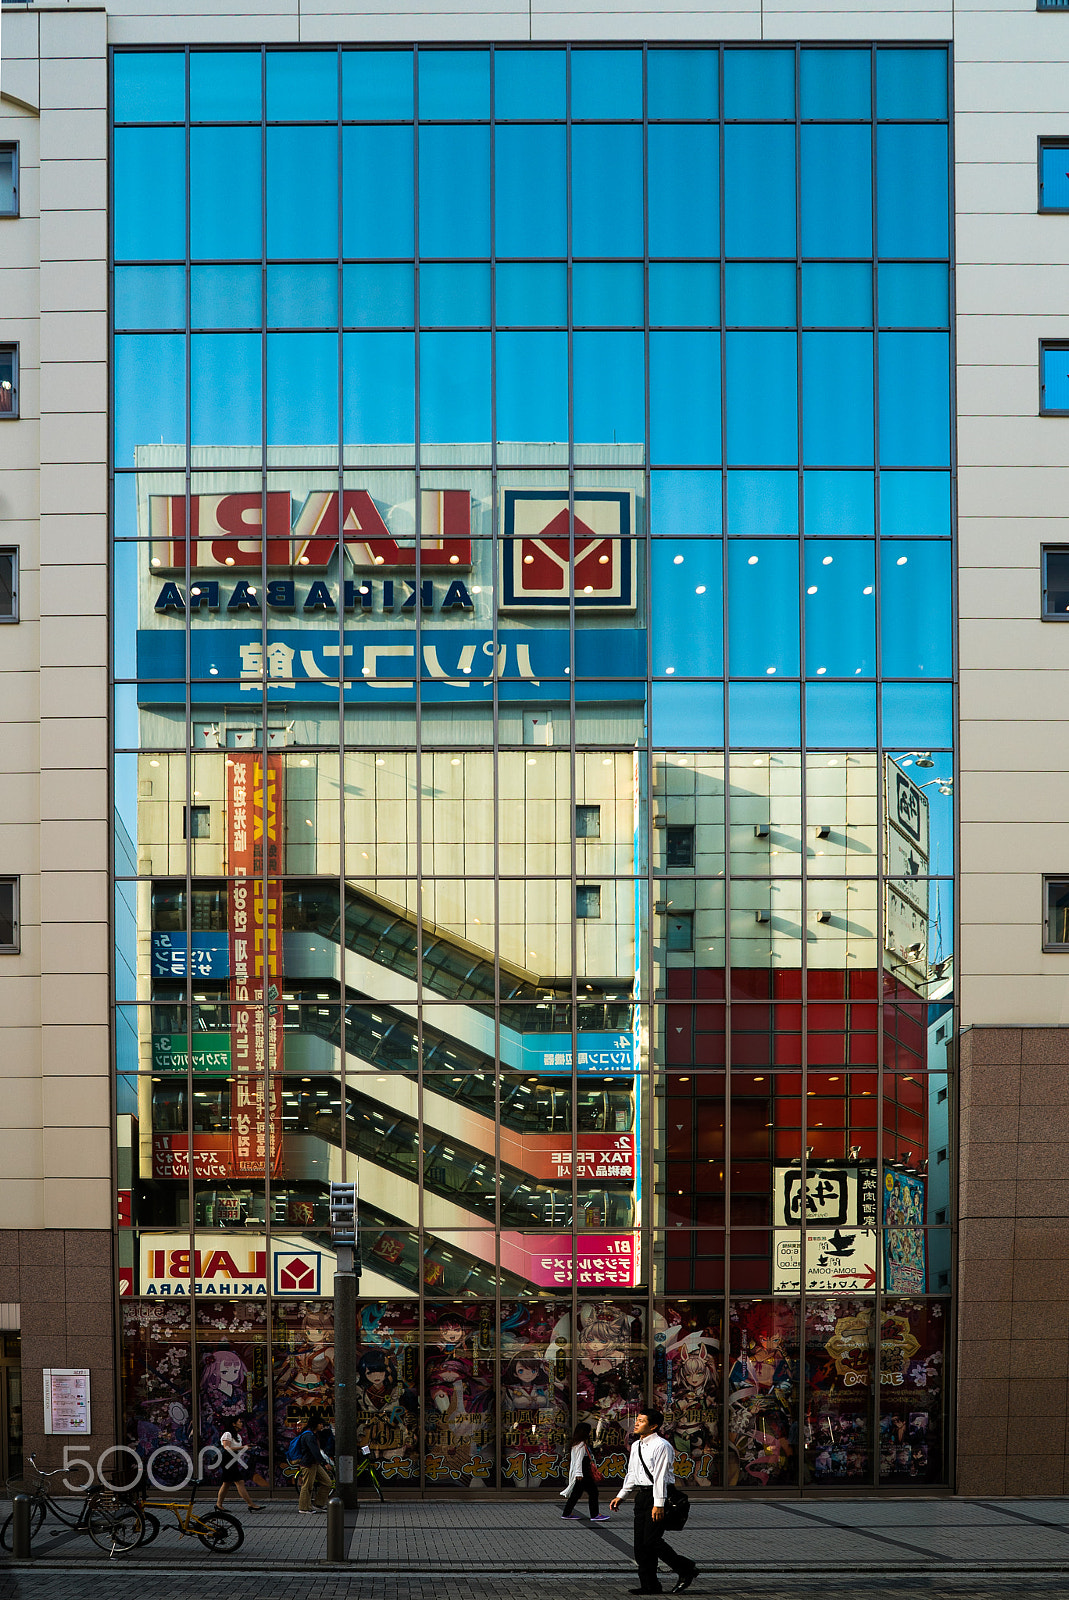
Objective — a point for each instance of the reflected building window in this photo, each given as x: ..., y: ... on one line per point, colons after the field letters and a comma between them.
x: 588, y: 900
x: 588, y: 822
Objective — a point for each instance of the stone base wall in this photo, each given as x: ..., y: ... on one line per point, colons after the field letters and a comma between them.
x: 62, y: 1280
x: 1013, y: 1262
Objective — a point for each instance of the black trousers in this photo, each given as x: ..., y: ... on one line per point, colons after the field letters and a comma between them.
x: 584, y: 1485
x: 649, y: 1543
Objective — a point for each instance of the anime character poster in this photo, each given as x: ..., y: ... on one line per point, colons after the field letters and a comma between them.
x: 388, y: 1386
x: 157, y: 1370
x: 303, y: 1368
x: 686, y: 1385
x: 762, y: 1416
x: 903, y: 1238
x: 232, y: 1378
x: 913, y: 1398
x: 535, y: 1394
x: 458, y: 1385
x: 838, y: 1407
x: 610, y: 1375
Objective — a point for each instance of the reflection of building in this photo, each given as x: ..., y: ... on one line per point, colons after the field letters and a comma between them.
x: 532, y: 779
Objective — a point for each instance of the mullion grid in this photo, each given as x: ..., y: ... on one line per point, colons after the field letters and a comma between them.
x: 649, y: 765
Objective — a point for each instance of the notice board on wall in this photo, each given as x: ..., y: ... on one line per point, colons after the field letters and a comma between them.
x: 67, y: 1400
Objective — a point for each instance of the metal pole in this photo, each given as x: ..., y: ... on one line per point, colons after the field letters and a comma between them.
x: 345, y: 1388
x: 20, y: 1528
x: 335, y: 1525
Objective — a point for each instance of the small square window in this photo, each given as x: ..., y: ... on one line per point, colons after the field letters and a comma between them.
x: 1053, y: 379
x: 588, y: 822
x: 1054, y: 174
x: 9, y: 180
x: 1055, y: 565
x: 9, y: 381
x: 201, y: 817
x: 9, y: 916
x: 679, y: 847
x: 1056, y: 898
x: 588, y: 900
x: 9, y: 585
x: 680, y: 931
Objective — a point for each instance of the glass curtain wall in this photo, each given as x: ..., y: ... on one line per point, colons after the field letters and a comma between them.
x: 533, y: 776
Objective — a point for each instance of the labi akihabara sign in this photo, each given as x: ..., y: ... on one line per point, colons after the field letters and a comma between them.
x: 359, y: 625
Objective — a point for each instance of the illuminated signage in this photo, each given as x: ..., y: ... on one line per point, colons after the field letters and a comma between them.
x: 230, y: 530
x: 234, y: 1267
x: 540, y: 561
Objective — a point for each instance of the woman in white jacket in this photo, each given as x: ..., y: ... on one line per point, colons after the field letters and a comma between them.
x: 582, y: 1476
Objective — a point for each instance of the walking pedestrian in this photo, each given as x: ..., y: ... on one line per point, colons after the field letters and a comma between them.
x: 235, y: 1469
x: 313, y: 1462
x: 649, y: 1472
x: 583, y: 1476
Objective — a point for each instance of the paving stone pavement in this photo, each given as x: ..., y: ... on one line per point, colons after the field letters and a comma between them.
x: 828, y: 1549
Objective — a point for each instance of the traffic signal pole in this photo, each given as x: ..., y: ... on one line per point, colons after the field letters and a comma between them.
x: 346, y: 1288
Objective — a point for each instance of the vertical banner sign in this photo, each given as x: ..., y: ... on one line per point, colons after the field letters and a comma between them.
x: 253, y: 823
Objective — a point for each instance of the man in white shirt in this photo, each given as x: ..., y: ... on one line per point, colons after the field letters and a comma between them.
x: 649, y: 1472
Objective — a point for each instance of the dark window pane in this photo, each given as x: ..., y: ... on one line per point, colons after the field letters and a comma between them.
x: 9, y: 194
x: 302, y: 192
x: 454, y: 191
x: 530, y: 197
x: 224, y: 220
x: 150, y: 87
x: 377, y: 178
x: 679, y: 930
x: 8, y: 583
x: 302, y: 86
x: 682, y: 83
x: 150, y: 194
x: 759, y: 209
x: 454, y: 85
x: 679, y: 847
x: 836, y: 84
x: 8, y: 914
x: 376, y: 85
x: 1057, y: 912
x: 683, y: 188
x: 224, y: 86
x: 606, y: 84
x: 588, y: 822
x: 588, y: 900
x: 529, y: 84
x: 1056, y: 583
x: 606, y: 191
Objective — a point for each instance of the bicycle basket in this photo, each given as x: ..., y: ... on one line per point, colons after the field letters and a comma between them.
x: 16, y: 1486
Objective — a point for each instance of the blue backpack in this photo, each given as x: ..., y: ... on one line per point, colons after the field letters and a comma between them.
x: 294, y: 1450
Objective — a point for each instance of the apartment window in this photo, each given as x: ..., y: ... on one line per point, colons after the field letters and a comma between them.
x: 1054, y: 174
x: 9, y: 180
x: 588, y: 822
x: 588, y: 900
x: 1056, y: 911
x: 680, y: 931
x: 1054, y: 560
x: 9, y: 916
x: 679, y: 847
x: 1054, y: 378
x: 199, y: 822
x: 9, y: 585
x: 9, y: 380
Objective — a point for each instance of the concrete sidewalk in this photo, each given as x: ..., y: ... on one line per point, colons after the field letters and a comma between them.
x: 812, y: 1536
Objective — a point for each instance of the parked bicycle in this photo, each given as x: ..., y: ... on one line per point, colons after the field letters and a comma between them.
x: 217, y: 1530
x: 365, y: 1467
x: 110, y: 1517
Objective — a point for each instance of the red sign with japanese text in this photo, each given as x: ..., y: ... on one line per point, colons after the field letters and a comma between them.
x: 253, y: 825
x: 601, y: 1157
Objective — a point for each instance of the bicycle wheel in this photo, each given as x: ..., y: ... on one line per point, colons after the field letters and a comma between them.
x: 227, y: 1536
x: 373, y: 1472
x: 37, y: 1516
x: 151, y: 1529
x: 116, y: 1525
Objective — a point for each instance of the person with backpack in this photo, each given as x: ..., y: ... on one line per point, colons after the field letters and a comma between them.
x: 651, y: 1476
x: 583, y: 1476
x: 307, y: 1453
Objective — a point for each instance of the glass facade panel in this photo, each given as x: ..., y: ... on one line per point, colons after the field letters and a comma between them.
x: 522, y: 755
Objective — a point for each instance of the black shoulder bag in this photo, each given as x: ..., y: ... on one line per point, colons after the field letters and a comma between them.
x: 677, y: 1501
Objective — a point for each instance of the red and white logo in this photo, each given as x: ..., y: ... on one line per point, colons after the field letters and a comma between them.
x: 297, y: 1272
x: 541, y: 563
x: 225, y: 530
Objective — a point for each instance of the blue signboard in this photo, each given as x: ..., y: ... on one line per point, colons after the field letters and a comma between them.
x: 211, y: 955
x: 603, y: 1053
x: 532, y: 664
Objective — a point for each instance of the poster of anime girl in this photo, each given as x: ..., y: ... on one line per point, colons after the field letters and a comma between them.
x: 458, y: 1387
x: 232, y: 1375
x: 838, y: 1407
x: 610, y: 1375
x: 303, y: 1369
x: 903, y: 1237
x: 913, y: 1399
x: 686, y: 1385
x: 157, y: 1381
x: 762, y: 1415
x: 535, y: 1396
x: 388, y: 1386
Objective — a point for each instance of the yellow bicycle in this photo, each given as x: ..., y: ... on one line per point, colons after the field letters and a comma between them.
x: 217, y: 1530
